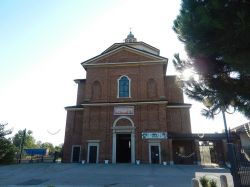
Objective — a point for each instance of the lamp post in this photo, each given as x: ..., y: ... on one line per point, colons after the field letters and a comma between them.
x: 225, y: 124
x: 208, y: 103
x: 231, y: 155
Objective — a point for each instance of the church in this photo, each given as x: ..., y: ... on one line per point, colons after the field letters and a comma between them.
x: 128, y: 110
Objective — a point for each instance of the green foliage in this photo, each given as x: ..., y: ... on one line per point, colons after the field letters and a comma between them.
x: 29, y: 141
x: 212, y: 183
x: 59, y: 148
x: 215, y: 34
x: 49, y: 146
x: 4, y: 132
x: 205, y: 182
x: 7, y: 149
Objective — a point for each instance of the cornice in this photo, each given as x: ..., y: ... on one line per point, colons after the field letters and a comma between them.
x: 179, y: 106
x: 119, y: 64
x: 128, y: 48
x: 133, y: 103
x: 74, y: 108
x: 125, y: 103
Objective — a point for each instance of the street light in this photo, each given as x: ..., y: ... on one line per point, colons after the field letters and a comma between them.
x: 209, y: 103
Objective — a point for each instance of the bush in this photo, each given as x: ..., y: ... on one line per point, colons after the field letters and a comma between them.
x: 212, y: 183
x: 205, y: 182
x: 7, y: 151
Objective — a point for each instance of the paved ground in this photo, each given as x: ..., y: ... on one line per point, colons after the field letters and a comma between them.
x: 101, y: 175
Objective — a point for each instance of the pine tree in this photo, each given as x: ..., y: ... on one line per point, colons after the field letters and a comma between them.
x: 217, y: 40
x: 7, y: 149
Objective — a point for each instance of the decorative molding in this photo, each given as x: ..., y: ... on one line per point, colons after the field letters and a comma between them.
x: 179, y: 106
x: 128, y: 48
x: 125, y: 103
x: 118, y: 87
x: 93, y: 141
x: 73, y: 109
x: 131, y: 44
x: 125, y: 63
x: 123, y: 117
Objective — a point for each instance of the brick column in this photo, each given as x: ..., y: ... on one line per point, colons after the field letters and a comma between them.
x: 113, y: 147
x: 197, y: 152
x: 170, y: 149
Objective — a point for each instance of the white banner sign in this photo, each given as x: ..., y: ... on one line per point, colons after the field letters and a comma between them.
x: 154, y: 135
x: 124, y: 110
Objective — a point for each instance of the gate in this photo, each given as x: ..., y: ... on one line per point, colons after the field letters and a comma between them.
x: 240, y: 165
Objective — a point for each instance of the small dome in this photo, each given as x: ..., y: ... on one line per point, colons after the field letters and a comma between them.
x: 130, y: 38
x: 130, y: 35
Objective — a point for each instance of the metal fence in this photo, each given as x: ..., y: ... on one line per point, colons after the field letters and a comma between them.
x: 240, y: 165
x: 243, y: 159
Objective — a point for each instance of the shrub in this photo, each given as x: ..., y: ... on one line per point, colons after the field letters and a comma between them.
x: 205, y: 182
x: 212, y: 183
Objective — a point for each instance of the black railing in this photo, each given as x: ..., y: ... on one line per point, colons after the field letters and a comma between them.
x: 240, y: 165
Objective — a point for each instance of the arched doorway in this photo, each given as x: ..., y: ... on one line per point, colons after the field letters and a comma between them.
x: 123, y: 141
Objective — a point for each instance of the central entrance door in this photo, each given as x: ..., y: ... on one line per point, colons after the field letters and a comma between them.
x: 123, y: 148
x: 155, y: 154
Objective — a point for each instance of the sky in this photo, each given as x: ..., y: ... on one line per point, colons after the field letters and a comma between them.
x: 42, y: 44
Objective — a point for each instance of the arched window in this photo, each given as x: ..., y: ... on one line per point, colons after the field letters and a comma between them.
x: 124, y: 87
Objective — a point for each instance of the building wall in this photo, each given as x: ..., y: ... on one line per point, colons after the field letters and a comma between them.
x: 140, y: 82
x: 173, y: 92
x: 178, y: 120
x: 80, y: 91
x: 73, y: 132
x: 148, y: 83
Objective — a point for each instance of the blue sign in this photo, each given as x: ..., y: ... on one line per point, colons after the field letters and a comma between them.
x: 36, y: 151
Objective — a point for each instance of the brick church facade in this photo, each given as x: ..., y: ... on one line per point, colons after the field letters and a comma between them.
x: 127, y: 109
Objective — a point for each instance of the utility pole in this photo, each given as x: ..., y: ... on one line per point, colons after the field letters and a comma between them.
x: 22, y: 144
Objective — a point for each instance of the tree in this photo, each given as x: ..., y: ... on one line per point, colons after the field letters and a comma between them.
x: 4, y: 132
x: 29, y: 141
x: 216, y: 37
x: 49, y: 146
x: 7, y: 149
x: 59, y: 148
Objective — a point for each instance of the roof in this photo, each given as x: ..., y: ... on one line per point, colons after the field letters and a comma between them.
x: 120, y: 47
x: 79, y: 80
x: 241, y: 128
x: 129, y: 44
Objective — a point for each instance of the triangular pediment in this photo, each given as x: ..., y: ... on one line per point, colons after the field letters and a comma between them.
x: 124, y: 54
